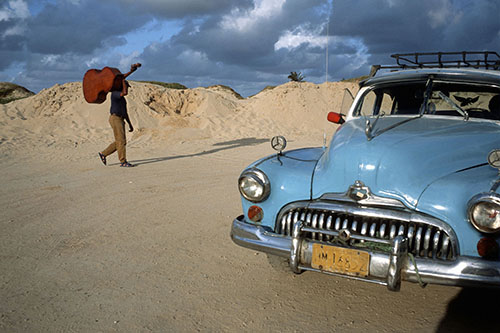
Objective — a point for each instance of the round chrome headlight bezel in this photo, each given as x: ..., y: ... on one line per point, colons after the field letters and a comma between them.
x: 254, y: 185
x: 481, y: 204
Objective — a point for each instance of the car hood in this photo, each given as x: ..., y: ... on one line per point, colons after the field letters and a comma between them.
x: 401, y: 162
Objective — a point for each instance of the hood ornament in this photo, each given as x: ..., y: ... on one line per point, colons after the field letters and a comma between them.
x: 494, y: 158
x: 278, y: 143
x: 358, y: 191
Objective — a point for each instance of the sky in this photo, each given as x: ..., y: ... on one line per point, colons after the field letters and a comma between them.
x: 244, y: 44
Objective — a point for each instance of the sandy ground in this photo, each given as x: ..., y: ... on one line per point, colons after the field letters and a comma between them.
x: 89, y: 248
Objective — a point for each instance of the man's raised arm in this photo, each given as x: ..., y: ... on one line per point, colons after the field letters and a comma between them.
x: 133, y: 68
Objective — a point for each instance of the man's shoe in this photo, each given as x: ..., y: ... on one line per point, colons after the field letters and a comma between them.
x: 103, y: 158
x: 127, y: 165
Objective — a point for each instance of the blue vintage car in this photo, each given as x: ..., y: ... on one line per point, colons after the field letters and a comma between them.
x: 408, y: 188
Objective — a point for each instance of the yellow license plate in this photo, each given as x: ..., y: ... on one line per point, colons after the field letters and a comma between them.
x: 340, y: 260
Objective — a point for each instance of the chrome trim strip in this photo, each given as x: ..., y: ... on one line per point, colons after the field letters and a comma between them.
x: 464, y: 271
x: 358, y: 193
x: 339, y: 234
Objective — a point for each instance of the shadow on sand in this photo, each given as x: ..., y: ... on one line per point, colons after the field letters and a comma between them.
x: 218, y: 147
x: 473, y: 310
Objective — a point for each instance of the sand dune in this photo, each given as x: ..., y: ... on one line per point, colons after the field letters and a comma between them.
x: 59, y: 116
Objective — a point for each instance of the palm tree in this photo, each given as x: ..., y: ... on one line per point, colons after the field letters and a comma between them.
x: 296, y: 77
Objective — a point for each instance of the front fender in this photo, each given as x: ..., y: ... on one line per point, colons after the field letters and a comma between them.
x: 290, y: 176
x: 447, y: 200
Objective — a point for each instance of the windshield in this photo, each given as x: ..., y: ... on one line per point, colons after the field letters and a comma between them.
x: 444, y: 99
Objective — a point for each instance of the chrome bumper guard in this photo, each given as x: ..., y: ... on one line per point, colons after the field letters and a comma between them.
x: 385, y: 268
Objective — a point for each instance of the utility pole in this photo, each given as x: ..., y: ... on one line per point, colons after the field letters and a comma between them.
x: 327, y: 37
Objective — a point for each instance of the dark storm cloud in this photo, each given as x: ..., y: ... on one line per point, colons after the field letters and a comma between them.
x: 7, y: 58
x: 63, y: 27
x: 11, y: 41
x: 479, y: 28
x: 79, y: 28
x: 412, y: 26
x: 180, y: 9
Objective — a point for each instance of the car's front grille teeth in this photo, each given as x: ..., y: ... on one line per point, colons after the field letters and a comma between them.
x: 425, y: 240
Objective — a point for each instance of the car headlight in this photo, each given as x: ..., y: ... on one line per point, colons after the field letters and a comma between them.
x: 254, y: 185
x: 484, y: 212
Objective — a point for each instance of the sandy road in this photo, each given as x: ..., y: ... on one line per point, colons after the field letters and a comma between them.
x: 85, y: 247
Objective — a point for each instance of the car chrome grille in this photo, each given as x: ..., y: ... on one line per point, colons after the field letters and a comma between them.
x: 425, y: 240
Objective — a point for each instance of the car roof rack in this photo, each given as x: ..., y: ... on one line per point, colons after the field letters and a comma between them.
x: 464, y: 59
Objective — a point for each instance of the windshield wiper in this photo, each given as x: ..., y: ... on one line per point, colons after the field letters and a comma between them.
x: 454, y: 105
x: 369, y: 126
x: 427, y: 95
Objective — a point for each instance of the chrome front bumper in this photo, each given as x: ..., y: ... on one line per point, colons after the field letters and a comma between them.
x: 385, y: 268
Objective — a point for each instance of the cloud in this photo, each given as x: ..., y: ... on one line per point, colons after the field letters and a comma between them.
x: 181, y: 9
x: 407, y: 25
x: 443, y: 13
x: 14, y: 9
x: 387, y: 27
x: 301, y: 35
x: 12, y: 21
x: 14, y: 31
x: 128, y: 59
x: 244, y: 20
x: 79, y: 27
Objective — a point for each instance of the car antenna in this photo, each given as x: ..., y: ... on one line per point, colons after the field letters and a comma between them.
x: 326, y: 62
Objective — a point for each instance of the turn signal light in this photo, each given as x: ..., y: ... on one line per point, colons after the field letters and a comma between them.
x: 487, y: 248
x: 255, y: 213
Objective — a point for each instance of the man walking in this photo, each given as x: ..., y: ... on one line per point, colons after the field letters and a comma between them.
x: 117, y: 120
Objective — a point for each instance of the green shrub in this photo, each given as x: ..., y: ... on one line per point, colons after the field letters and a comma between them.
x: 173, y: 85
x: 10, y: 92
x: 296, y: 77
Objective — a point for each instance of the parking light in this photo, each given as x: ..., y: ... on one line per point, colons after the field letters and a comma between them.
x: 255, y: 214
x: 487, y: 248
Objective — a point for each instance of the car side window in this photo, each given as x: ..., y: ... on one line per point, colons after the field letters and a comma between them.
x: 374, y: 103
x: 396, y: 100
x: 368, y: 105
x: 386, y: 103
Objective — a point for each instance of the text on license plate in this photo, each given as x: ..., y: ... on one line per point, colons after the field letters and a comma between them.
x: 340, y: 260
